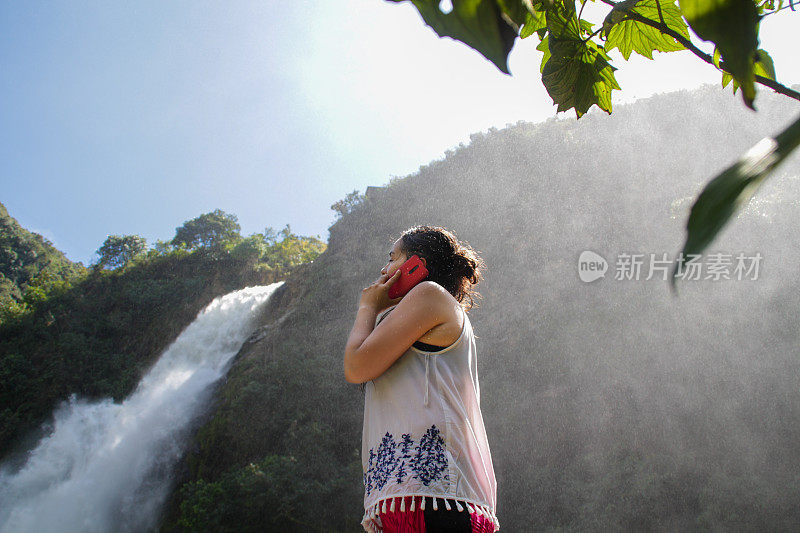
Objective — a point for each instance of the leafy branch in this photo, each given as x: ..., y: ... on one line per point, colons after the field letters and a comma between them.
x: 577, y: 71
x: 663, y: 28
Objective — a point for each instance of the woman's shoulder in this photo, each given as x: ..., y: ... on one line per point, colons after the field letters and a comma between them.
x: 432, y: 297
x: 431, y: 292
x: 426, y: 296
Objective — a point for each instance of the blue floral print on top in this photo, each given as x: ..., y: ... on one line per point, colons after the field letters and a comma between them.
x: 426, y: 460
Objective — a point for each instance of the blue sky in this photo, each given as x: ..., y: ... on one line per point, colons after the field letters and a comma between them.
x: 133, y: 117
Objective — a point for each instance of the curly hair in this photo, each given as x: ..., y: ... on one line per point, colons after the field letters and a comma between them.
x: 452, y: 264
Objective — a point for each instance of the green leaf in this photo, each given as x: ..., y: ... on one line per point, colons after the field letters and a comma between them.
x: 617, y: 15
x: 577, y: 73
x: 534, y: 22
x: 726, y: 79
x: 764, y: 65
x: 633, y: 36
x: 515, y: 11
x: 544, y: 47
x: 480, y: 24
x: 732, y: 25
x: 562, y: 22
x: 732, y: 189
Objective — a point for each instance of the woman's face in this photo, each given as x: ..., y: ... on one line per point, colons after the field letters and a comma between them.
x: 396, y: 259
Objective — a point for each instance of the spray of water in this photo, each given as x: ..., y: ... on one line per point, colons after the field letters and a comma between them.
x: 107, y: 466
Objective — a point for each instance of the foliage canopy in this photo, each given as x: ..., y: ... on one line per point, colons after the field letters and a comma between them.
x: 30, y: 267
x: 347, y: 204
x: 208, y: 230
x: 117, y: 251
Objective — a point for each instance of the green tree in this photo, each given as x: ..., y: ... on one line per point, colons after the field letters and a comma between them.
x: 117, y: 251
x: 288, y: 249
x: 210, y: 230
x: 270, y: 236
x: 24, y: 257
x: 250, y: 249
x: 347, y: 204
x: 577, y: 71
x: 163, y: 247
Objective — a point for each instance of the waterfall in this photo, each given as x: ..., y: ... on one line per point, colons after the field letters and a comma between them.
x: 107, y: 466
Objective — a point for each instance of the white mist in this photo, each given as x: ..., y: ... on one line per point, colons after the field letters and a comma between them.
x: 107, y: 466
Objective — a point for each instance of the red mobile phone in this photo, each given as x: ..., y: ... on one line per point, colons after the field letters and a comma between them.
x: 411, y: 273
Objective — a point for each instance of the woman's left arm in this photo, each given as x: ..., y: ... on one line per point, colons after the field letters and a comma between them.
x: 370, y: 352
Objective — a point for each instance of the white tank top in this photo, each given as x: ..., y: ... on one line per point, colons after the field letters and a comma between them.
x: 424, y: 434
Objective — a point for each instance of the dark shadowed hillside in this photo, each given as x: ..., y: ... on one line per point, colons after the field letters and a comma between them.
x: 609, y: 405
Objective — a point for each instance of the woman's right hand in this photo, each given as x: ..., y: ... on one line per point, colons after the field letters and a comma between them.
x: 376, y: 295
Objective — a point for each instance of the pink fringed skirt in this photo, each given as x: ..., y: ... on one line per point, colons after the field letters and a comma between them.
x: 430, y: 520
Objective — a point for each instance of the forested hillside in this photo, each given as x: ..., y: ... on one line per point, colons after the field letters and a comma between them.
x: 94, y: 332
x: 609, y: 405
x: 29, y: 264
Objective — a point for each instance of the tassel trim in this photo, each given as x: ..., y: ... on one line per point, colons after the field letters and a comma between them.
x: 372, y: 521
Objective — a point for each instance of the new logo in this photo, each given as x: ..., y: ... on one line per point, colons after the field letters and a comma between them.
x: 591, y: 266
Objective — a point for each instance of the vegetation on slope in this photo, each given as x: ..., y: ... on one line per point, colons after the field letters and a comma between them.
x: 29, y: 266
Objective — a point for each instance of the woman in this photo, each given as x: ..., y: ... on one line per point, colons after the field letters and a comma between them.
x: 425, y: 455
